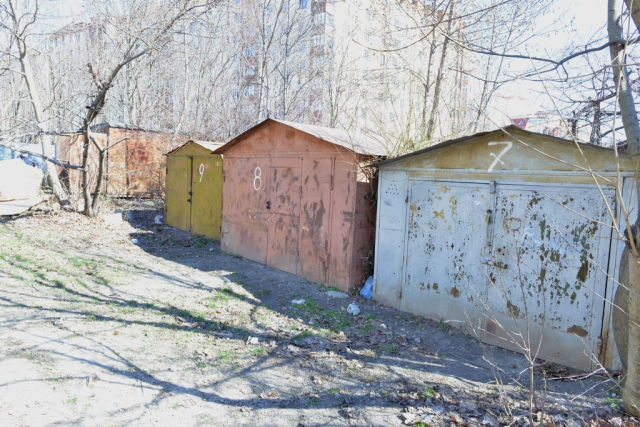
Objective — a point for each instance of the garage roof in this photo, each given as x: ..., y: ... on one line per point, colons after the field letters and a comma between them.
x: 508, y: 130
x: 355, y: 142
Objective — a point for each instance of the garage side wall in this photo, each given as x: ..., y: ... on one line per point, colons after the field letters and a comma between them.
x: 390, y: 237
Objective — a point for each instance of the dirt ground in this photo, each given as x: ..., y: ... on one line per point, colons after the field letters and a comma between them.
x: 141, y: 324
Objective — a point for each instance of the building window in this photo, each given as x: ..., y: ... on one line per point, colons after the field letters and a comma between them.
x: 319, y: 40
x: 304, y: 4
x: 234, y: 95
x: 248, y: 71
x: 367, y: 54
x: 250, y: 90
x: 249, y: 51
x: 382, y: 59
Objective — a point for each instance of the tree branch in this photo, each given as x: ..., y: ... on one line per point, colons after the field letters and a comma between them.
x: 49, y: 159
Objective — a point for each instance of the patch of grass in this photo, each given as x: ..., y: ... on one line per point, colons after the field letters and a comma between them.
x: 333, y: 288
x: 259, y: 352
x: 226, y: 357
x: 202, y: 365
x: 367, y: 352
x: 366, y: 328
x: 371, y: 316
x: 72, y: 400
x: 388, y: 348
x: 294, y: 327
x: 342, y: 325
x: 304, y: 334
x: 202, y: 242
x: 311, y: 402
x: 429, y: 393
x: 421, y: 424
x: 320, y: 286
x: 334, y: 390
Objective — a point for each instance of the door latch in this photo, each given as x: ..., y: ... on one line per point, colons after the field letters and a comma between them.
x: 268, y: 205
x: 191, y: 193
x: 189, y: 200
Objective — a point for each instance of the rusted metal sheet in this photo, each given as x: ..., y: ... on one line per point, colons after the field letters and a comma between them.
x: 446, y: 240
x: 315, y: 219
x: 548, y: 249
x: 284, y: 213
x: 245, y: 220
x: 290, y: 202
x: 537, y: 234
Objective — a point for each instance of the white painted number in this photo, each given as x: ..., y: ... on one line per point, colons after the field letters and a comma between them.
x: 508, y: 144
x: 257, y: 178
x: 201, y: 170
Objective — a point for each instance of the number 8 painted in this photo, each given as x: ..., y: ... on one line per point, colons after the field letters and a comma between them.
x: 257, y: 176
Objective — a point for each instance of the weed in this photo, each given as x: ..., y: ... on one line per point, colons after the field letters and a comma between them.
x: 333, y: 288
x: 72, y: 400
x: 202, y: 365
x: 371, y: 316
x: 444, y: 325
x: 334, y: 390
x: 429, y: 393
x: 421, y: 424
x: 294, y: 327
x: 613, y: 403
x: 388, y: 348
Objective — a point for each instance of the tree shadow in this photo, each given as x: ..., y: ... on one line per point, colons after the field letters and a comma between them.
x: 324, y: 330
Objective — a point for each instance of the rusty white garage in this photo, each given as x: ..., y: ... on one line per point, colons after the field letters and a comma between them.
x: 502, y: 229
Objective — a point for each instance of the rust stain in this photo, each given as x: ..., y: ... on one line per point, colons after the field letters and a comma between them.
x: 513, y: 309
x: 454, y: 204
x: 455, y: 292
x: 439, y: 214
x: 512, y: 224
x: 414, y: 209
x: 435, y: 286
x: 575, y: 329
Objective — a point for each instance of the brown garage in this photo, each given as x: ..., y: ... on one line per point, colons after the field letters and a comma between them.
x: 297, y: 198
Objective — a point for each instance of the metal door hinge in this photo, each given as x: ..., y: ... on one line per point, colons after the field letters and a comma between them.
x: 189, y: 200
x: 492, y: 187
x: 191, y: 193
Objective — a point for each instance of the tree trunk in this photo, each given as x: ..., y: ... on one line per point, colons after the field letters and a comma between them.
x: 42, y: 120
x: 631, y: 390
x: 436, y: 93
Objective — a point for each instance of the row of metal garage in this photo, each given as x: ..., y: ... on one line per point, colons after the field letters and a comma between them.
x: 504, y: 233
